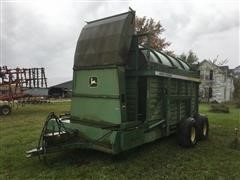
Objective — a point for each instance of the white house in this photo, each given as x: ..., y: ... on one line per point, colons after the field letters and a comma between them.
x: 216, y: 82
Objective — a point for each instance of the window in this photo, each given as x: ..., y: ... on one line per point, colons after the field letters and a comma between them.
x: 225, y: 96
x: 211, y: 75
x: 210, y: 92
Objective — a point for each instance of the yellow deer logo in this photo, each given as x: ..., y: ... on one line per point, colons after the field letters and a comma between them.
x: 93, y: 81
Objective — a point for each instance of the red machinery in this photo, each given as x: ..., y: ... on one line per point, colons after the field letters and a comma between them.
x: 15, y: 84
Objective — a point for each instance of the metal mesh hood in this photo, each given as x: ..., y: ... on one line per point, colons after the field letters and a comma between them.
x: 105, y: 41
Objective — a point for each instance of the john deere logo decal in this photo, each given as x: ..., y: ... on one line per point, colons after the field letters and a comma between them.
x: 93, y: 81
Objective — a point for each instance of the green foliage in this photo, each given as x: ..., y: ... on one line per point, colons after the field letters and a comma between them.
x: 238, y: 104
x: 219, y: 108
x: 144, y: 25
x: 163, y: 159
x: 170, y: 53
x: 189, y: 58
x: 236, y: 141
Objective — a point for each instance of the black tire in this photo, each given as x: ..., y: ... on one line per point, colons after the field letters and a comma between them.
x: 202, y: 127
x: 5, y: 110
x: 187, y: 133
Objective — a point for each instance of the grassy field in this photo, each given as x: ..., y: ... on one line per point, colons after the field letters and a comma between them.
x: 163, y: 159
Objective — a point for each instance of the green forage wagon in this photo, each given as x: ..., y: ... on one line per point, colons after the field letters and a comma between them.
x: 124, y: 94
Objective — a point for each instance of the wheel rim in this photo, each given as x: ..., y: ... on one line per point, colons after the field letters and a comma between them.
x: 204, y: 129
x: 193, y: 134
x: 5, y: 111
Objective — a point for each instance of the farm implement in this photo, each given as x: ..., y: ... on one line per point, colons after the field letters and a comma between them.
x: 125, y: 94
x: 19, y: 85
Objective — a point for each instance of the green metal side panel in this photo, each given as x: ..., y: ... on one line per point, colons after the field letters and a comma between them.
x: 194, y: 96
x: 173, y: 89
x: 154, y: 134
x: 173, y: 112
x: 100, y: 103
x: 155, y: 109
x: 131, y: 94
x: 170, y: 99
x: 132, y: 138
x: 183, y: 87
x: 173, y: 103
x: 91, y: 135
x: 96, y: 109
x: 107, y: 82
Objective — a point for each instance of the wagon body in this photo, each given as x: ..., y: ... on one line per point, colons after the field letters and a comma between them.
x: 150, y: 105
x: 125, y: 94
x: 138, y: 96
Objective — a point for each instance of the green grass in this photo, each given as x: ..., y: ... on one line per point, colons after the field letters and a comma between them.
x: 163, y: 159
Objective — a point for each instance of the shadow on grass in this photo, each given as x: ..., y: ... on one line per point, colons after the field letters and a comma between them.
x: 84, y: 157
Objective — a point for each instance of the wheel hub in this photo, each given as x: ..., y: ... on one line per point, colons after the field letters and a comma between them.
x: 5, y: 111
x: 204, y: 129
x: 193, y: 134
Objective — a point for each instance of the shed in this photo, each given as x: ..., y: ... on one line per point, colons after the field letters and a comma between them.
x: 62, y: 90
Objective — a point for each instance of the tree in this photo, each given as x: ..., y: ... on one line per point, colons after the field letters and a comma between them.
x: 144, y: 25
x: 218, y: 62
x: 189, y: 58
x: 170, y: 53
x: 215, y: 62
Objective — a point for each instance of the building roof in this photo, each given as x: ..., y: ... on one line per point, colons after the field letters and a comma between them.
x: 65, y: 85
x: 224, y: 67
x: 236, y: 72
x: 236, y: 69
x: 221, y: 68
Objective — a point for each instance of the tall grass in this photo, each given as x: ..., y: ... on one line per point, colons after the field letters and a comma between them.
x: 163, y: 159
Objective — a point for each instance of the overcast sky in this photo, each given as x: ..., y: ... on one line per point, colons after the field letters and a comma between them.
x: 44, y: 33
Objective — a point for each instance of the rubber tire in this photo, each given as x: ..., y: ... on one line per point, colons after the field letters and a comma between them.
x: 184, y: 133
x: 4, y: 107
x: 201, y: 121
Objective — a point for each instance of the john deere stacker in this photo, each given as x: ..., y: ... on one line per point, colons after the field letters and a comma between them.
x: 125, y: 94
